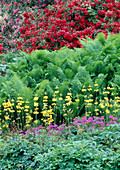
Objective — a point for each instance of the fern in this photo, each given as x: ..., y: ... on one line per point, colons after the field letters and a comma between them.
x: 76, y: 85
x: 42, y: 87
x: 101, y: 38
x: 61, y: 74
x: 83, y: 75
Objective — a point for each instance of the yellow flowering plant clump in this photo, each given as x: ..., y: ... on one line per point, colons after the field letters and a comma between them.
x: 101, y: 105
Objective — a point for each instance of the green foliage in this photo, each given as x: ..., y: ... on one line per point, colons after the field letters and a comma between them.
x: 91, y: 149
x: 30, y: 74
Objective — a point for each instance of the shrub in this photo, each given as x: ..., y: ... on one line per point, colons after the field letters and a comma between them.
x: 64, y: 23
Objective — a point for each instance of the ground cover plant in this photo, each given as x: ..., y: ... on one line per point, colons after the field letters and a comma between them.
x: 62, y: 147
x: 60, y: 109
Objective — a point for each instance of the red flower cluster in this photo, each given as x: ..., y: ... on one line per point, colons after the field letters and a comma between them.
x: 63, y: 24
x: 1, y: 45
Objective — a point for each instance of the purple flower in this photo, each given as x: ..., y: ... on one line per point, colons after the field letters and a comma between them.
x: 94, y: 123
x: 53, y: 126
x: 102, y: 123
x: 115, y: 119
x: 111, y: 116
x: 0, y: 132
x: 28, y: 131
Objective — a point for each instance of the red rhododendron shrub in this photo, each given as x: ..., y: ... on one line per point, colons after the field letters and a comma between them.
x: 62, y: 24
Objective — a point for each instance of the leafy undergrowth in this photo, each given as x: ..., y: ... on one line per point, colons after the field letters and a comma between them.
x: 72, y: 147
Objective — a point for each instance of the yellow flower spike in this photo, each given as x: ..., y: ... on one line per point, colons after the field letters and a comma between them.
x: 96, y: 110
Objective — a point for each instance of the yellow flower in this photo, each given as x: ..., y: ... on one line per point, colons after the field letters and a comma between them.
x: 96, y: 110
x: 45, y: 101
x: 27, y: 125
x: 115, y: 111
x: 96, y: 90
x: 56, y: 87
x: 36, y: 104
x: 35, y: 112
x: 89, y: 89
x: 65, y: 114
x: 69, y: 94
x: 107, y: 111
x: 27, y: 101
x: 95, y: 84
x: 54, y: 99
x: 27, y: 107
x: 56, y: 92
x: 83, y: 90
x: 45, y: 97
x: 107, y: 104
x: 90, y: 100
x: 6, y: 117
x: 96, y: 103
x: 89, y: 104
x: 102, y: 106
x: 60, y: 98
x: 108, y: 88
x: 77, y: 100
x: 36, y: 121
x: 19, y: 98
x: 26, y: 110
x: 35, y: 98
